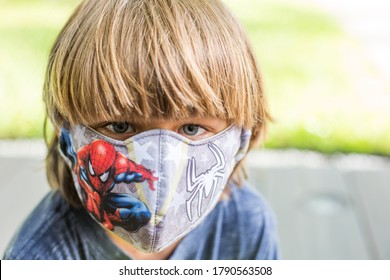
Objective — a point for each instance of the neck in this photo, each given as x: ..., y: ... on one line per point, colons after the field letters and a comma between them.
x: 135, y: 254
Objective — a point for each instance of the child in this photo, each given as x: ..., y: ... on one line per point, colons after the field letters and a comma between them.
x: 155, y: 104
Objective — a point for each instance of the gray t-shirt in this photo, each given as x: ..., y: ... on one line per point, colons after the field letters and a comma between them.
x: 241, y: 227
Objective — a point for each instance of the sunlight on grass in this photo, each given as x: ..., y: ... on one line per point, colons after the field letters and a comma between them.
x: 27, y: 31
x: 323, y: 92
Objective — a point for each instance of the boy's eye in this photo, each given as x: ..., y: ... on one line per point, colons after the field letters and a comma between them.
x: 120, y: 128
x: 191, y: 129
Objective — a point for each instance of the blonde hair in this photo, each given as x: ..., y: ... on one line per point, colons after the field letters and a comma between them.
x: 147, y: 59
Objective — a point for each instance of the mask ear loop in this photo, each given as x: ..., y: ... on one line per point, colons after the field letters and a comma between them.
x: 244, y: 145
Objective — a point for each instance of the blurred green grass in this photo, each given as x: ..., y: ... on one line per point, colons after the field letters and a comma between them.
x: 322, y: 91
x: 27, y: 31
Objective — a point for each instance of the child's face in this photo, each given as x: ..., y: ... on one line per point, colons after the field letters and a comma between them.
x: 193, y: 128
x: 141, y: 185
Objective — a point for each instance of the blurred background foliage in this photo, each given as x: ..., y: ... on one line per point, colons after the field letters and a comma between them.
x: 321, y: 88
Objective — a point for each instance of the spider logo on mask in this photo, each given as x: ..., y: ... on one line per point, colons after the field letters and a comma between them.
x: 204, y: 184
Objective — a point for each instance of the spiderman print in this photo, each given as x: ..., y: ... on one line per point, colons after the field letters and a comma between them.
x: 99, y: 167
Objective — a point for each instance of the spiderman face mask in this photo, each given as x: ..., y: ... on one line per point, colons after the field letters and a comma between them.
x: 155, y: 187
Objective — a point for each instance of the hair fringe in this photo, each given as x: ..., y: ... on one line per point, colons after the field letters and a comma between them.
x: 121, y: 60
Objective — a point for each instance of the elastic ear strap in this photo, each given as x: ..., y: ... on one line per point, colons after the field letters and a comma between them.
x: 244, y: 145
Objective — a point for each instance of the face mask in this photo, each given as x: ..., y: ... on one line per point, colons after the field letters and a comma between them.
x: 155, y: 187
